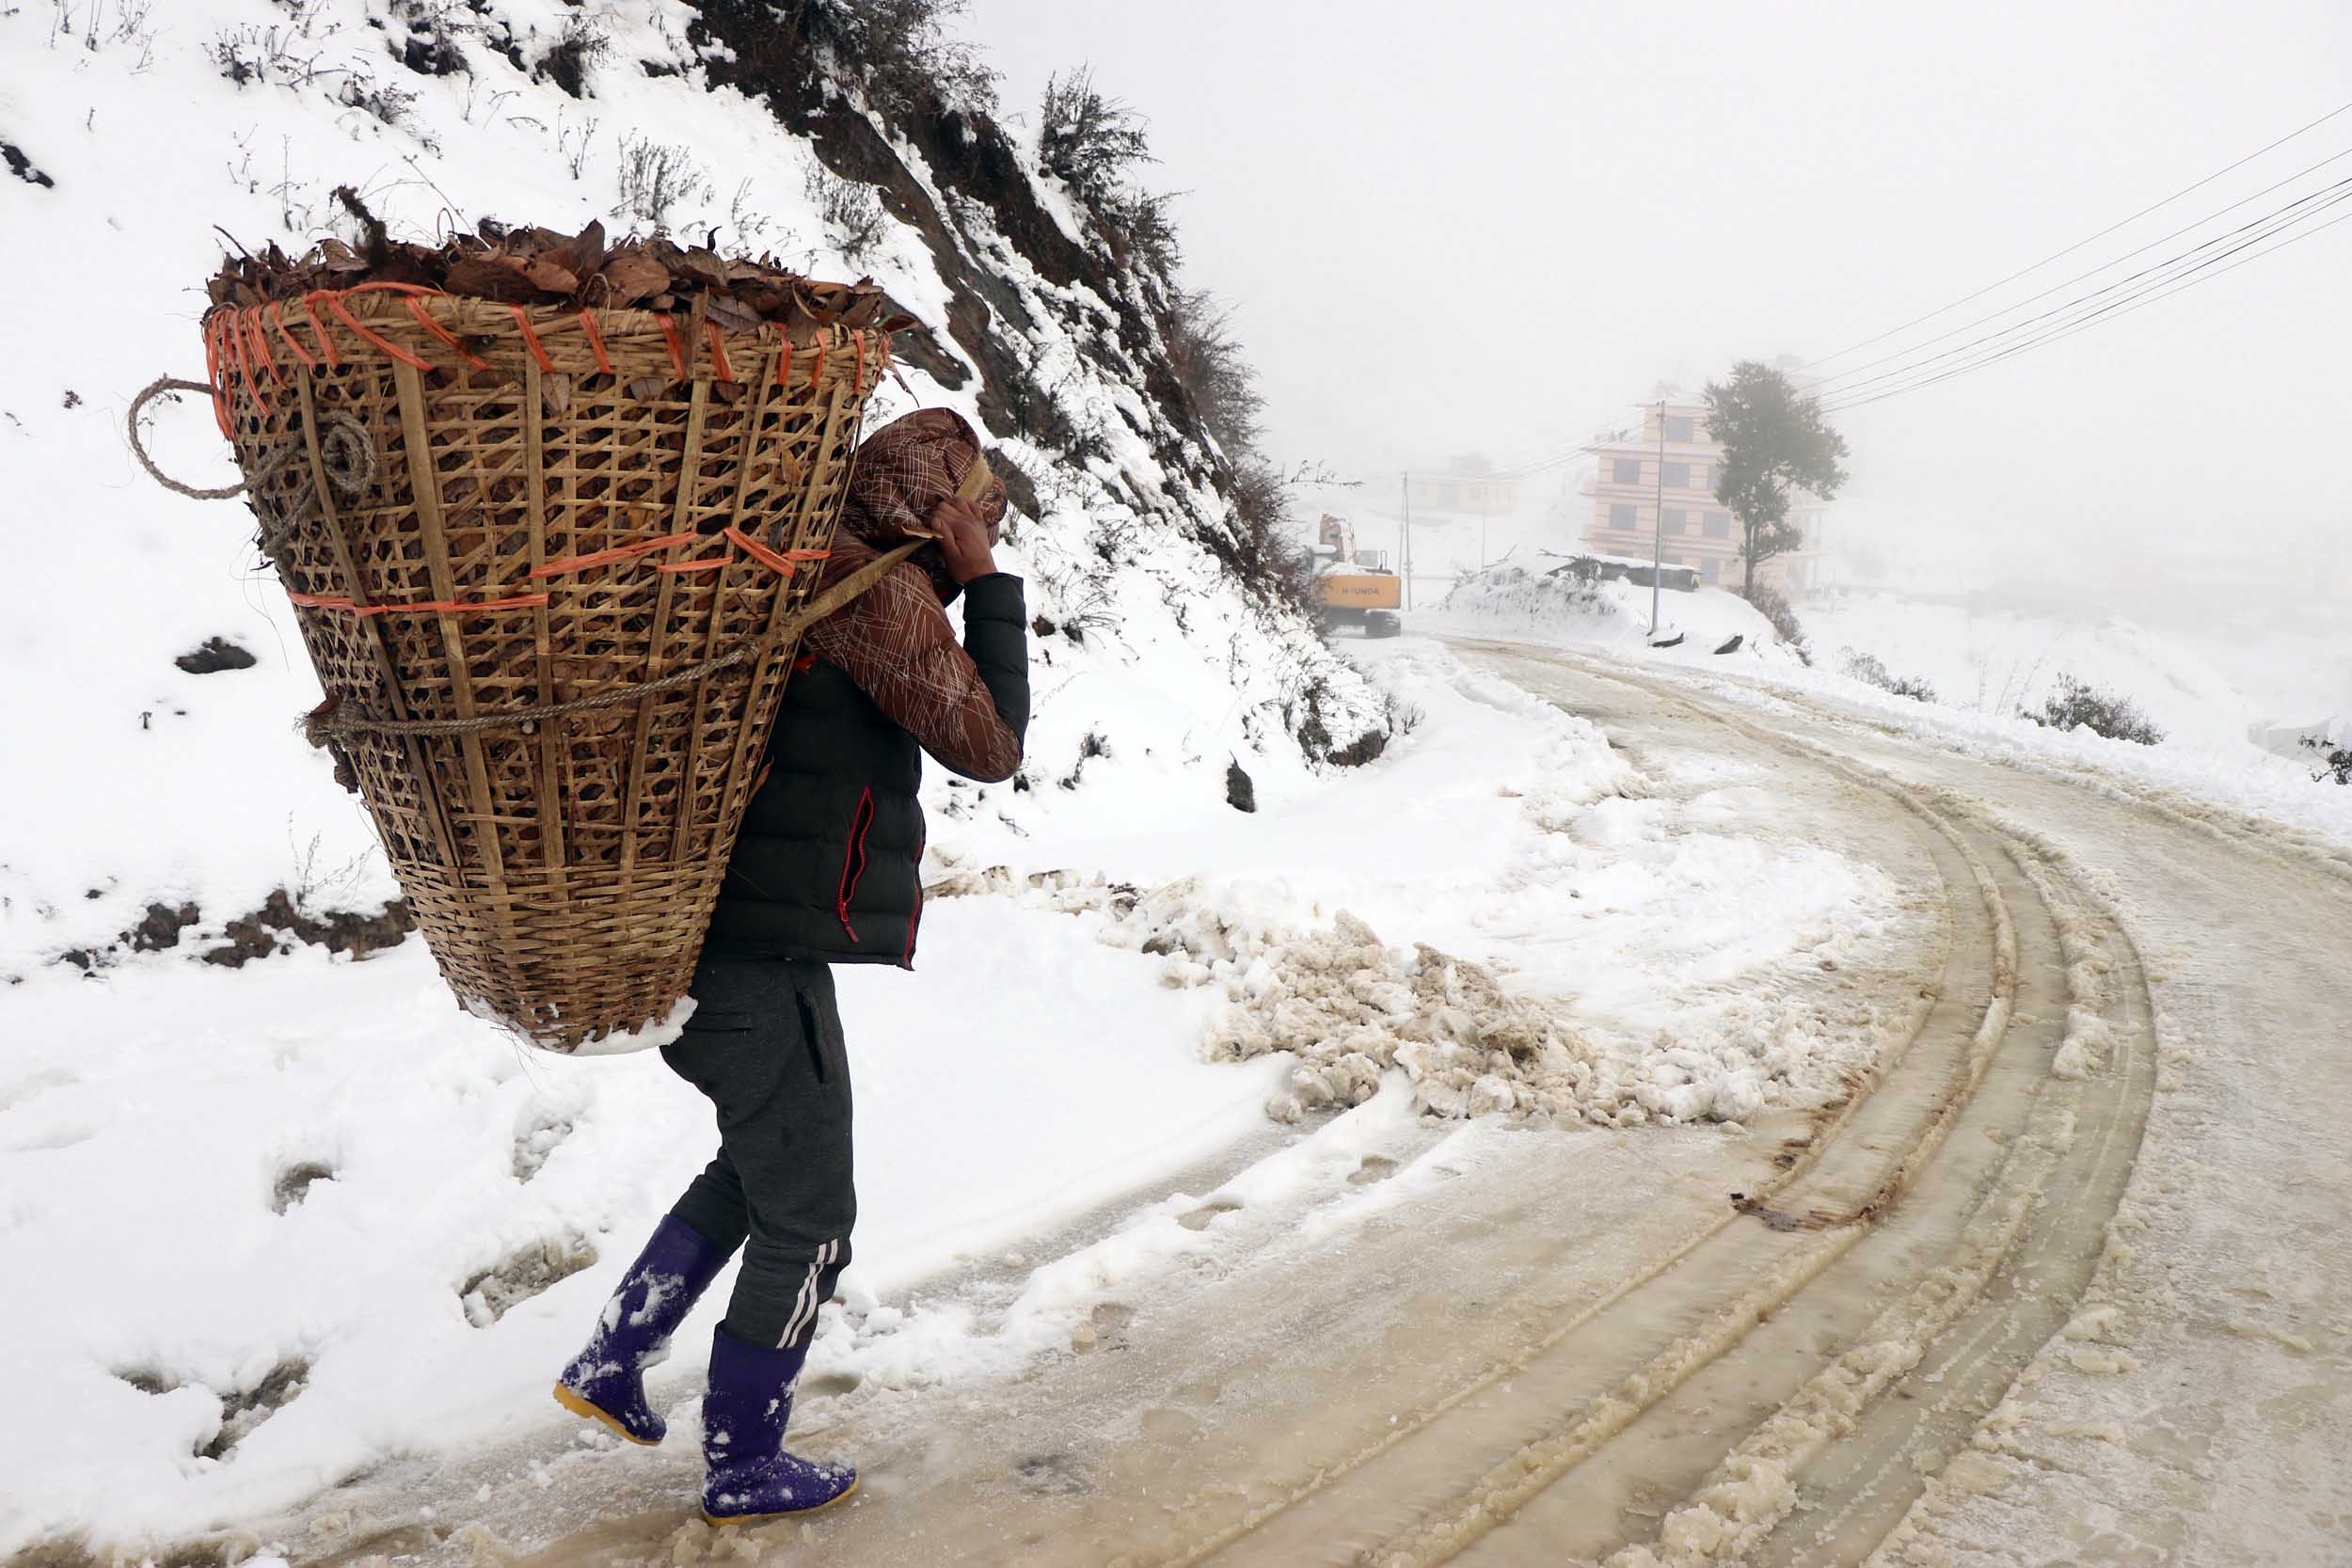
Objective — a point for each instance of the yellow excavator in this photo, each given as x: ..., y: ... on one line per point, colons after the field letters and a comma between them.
x: 1356, y: 587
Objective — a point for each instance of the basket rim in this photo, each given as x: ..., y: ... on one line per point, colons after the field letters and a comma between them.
x: 628, y: 321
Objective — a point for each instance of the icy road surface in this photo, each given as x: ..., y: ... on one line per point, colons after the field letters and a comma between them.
x: 2065, y: 1282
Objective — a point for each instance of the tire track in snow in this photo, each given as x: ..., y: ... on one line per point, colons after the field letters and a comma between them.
x: 1851, y: 1458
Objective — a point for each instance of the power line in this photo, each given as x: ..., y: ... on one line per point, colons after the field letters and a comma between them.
x: 2169, y: 272
x: 1845, y: 376
x: 2109, y: 312
x: 2205, y: 271
x: 2078, y: 245
x: 2326, y: 197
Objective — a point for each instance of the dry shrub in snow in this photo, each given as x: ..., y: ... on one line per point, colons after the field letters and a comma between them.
x: 2079, y: 705
x: 902, y: 54
x: 580, y: 46
x: 1773, y: 605
x: 852, y: 210
x: 1086, y: 139
x: 1869, y: 670
x: 1206, y: 353
x: 656, y: 178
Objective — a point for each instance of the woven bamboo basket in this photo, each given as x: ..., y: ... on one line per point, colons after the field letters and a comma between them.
x: 483, y: 513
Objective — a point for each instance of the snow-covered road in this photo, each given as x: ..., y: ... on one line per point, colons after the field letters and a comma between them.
x: 2060, y: 1280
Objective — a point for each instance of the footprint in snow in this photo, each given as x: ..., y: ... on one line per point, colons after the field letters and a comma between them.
x: 1202, y: 1217
x: 520, y: 1275
x: 294, y: 1184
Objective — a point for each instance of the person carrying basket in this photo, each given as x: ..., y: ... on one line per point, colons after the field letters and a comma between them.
x: 826, y: 871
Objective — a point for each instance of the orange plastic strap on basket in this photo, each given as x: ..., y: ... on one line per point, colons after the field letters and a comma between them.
x: 784, y: 360
x: 335, y: 303
x: 260, y: 345
x: 232, y: 332
x: 434, y: 607
x: 326, y: 341
x: 759, y: 553
x: 619, y: 552
x: 530, y: 338
x: 816, y: 370
x: 424, y: 318
x: 719, y: 352
x: 668, y: 336
x: 596, y: 342
x: 278, y: 320
x: 213, y: 373
x: 857, y: 387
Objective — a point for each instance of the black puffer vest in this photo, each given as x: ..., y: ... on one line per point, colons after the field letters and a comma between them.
x: 829, y: 863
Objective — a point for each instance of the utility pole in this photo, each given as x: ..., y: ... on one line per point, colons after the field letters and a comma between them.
x: 1405, y: 493
x: 1658, y: 539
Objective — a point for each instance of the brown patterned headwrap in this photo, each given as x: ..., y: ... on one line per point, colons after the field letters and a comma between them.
x: 903, y: 472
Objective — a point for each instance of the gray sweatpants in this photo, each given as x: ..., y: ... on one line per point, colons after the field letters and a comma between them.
x: 765, y: 1045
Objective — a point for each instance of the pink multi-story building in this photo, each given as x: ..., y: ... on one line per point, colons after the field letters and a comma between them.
x: 1699, y: 529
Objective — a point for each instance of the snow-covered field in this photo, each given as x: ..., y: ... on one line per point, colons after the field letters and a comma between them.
x: 2222, y: 747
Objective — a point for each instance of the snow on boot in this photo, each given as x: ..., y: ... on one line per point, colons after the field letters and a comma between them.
x: 606, y: 1381
x: 749, y: 1476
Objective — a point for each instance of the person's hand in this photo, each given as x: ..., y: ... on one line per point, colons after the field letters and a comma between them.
x: 962, y: 531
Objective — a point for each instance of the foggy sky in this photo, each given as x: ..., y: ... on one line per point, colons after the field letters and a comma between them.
x: 1495, y: 226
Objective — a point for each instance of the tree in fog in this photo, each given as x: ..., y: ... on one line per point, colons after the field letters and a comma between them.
x: 1774, y: 440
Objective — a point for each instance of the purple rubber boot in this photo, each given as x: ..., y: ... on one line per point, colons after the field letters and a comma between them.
x: 606, y: 1381
x: 748, y: 1475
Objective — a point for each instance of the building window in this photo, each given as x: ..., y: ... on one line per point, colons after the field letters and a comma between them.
x: 1624, y: 471
x: 1718, y: 525
x: 1710, y: 568
x: 1679, y: 427
x: 1702, y: 477
x: 1677, y: 476
x: 1620, y: 515
x: 1677, y: 520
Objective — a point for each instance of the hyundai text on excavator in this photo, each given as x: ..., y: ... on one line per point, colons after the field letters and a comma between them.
x: 1356, y: 587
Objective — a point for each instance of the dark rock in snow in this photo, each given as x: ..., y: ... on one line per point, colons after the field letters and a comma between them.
x: 1732, y: 646
x: 278, y: 924
x: 1240, y: 793
x: 161, y: 928
x: 21, y: 167
x: 214, y: 654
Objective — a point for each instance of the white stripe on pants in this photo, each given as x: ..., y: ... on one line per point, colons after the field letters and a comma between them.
x: 805, y: 1305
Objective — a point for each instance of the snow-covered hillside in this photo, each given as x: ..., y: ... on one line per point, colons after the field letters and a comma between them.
x: 1992, y: 660
x: 150, y: 132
